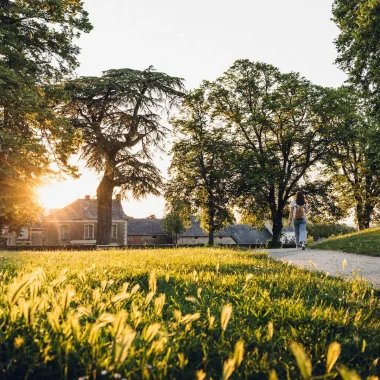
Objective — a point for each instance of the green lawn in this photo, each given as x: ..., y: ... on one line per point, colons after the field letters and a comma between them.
x: 181, y: 314
x: 364, y: 243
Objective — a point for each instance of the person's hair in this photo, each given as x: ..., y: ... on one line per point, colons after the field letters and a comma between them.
x: 300, y: 199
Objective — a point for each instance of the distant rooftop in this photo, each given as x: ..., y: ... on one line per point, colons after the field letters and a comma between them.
x: 241, y: 233
x: 86, y: 209
x: 145, y: 227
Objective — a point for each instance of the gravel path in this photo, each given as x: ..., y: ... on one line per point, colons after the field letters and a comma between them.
x: 366, y: 267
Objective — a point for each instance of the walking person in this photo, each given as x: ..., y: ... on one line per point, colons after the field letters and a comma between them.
x: 298, y: 212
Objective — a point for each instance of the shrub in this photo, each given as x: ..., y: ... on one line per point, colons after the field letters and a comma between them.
x: 323, y: 231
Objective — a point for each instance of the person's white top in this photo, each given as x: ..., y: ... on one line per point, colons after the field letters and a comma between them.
x: 293, y: 205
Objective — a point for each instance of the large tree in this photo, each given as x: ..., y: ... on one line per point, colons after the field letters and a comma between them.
x: 358, y: 44
x: 355, y: 160
x: 120, y: 116
x: 199, y: 169
x: 280, y: 124
x: 36, y: 50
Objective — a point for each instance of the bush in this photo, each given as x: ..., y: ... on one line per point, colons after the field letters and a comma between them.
x: 274, y: 244
x: 323, y: 231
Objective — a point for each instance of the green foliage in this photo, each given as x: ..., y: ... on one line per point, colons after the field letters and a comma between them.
x: 354, y: 164
x: 176, y: 220
x: 37, y: 50
x: 206, y: 313
x: 200, y: 170
x: 365, y: 242
x: 323, y: 231
x: 358, y: 44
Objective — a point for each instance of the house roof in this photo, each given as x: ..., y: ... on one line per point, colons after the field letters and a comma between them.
x: 244, y: 234
x: 142, y: 227
x: 268, y: 226
x: 241, y: 233
x: 86, y: 209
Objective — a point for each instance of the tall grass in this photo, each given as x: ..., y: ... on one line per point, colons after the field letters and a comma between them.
x: 365, y: 242
x: 183, y: 313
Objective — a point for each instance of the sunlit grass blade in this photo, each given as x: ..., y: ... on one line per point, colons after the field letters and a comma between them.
x: 18, y: 287
x: 225, y: 316
x: 303, y: 360
x: 239, y: 353
x: 228, y: 368
x: 332, y: 355
x: 347, y: 374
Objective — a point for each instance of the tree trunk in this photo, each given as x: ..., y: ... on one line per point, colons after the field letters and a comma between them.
x: 363, y: 214
x: 104, y: 195
x: 211, y: 216
x: 277, y: 226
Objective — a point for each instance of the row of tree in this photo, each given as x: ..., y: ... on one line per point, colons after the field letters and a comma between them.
x: 247, y: 140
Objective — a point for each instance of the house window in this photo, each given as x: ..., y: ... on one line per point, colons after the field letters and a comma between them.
x: 154, y: 237
x: 64, y: 231
x: 114, y: 231
x: 88, y: 231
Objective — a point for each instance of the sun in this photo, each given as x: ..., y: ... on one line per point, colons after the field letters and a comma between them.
x: 60, y: 194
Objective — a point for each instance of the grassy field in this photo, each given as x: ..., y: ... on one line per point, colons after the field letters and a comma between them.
x: 363, y: 242
x: 181, y: 314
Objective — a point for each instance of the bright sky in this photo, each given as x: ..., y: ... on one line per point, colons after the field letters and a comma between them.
x: 198, y: 40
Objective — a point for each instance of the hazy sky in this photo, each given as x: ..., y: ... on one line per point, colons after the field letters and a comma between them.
x: 199, y: 40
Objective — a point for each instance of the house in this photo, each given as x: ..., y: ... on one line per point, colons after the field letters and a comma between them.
x: 147, y: 231
x: 76, y: 224
x: 234, y: 234
x: 30, y: 235
x: 288, y: 237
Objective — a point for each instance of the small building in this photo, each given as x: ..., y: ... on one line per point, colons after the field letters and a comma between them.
x: 234, y: 234
x: 288, y: 237
x: 147, y: 232
x: 76, y: 224
x: 31, y: 235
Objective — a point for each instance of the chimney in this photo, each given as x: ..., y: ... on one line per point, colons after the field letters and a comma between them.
x: 118, y: 198
x: 87, y: 197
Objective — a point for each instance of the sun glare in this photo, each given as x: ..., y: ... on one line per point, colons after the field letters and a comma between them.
x: 60, y: 194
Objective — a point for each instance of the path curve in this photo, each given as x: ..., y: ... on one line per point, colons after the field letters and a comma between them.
x: 366, y: 267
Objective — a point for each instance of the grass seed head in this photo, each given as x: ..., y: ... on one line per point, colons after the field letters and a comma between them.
x: 303, y: 360
x: 239, y: 353
x: 151, y: 331
x: 159, y: 303
x: 332, y: 355
x: 201, y: 375
x: 344, y: 264
x: 270, y: 330
x: 347, y: 374
x: 152, y: 282
x: 228, y: 368
x: 225, y: 316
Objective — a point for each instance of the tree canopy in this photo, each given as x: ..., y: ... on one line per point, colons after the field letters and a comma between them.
x: 355, y: 161
x: 120, y: 115
x: 358, y: 44
x: 280, y: 123
x: 199, y: 170
x: 36, y: 50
